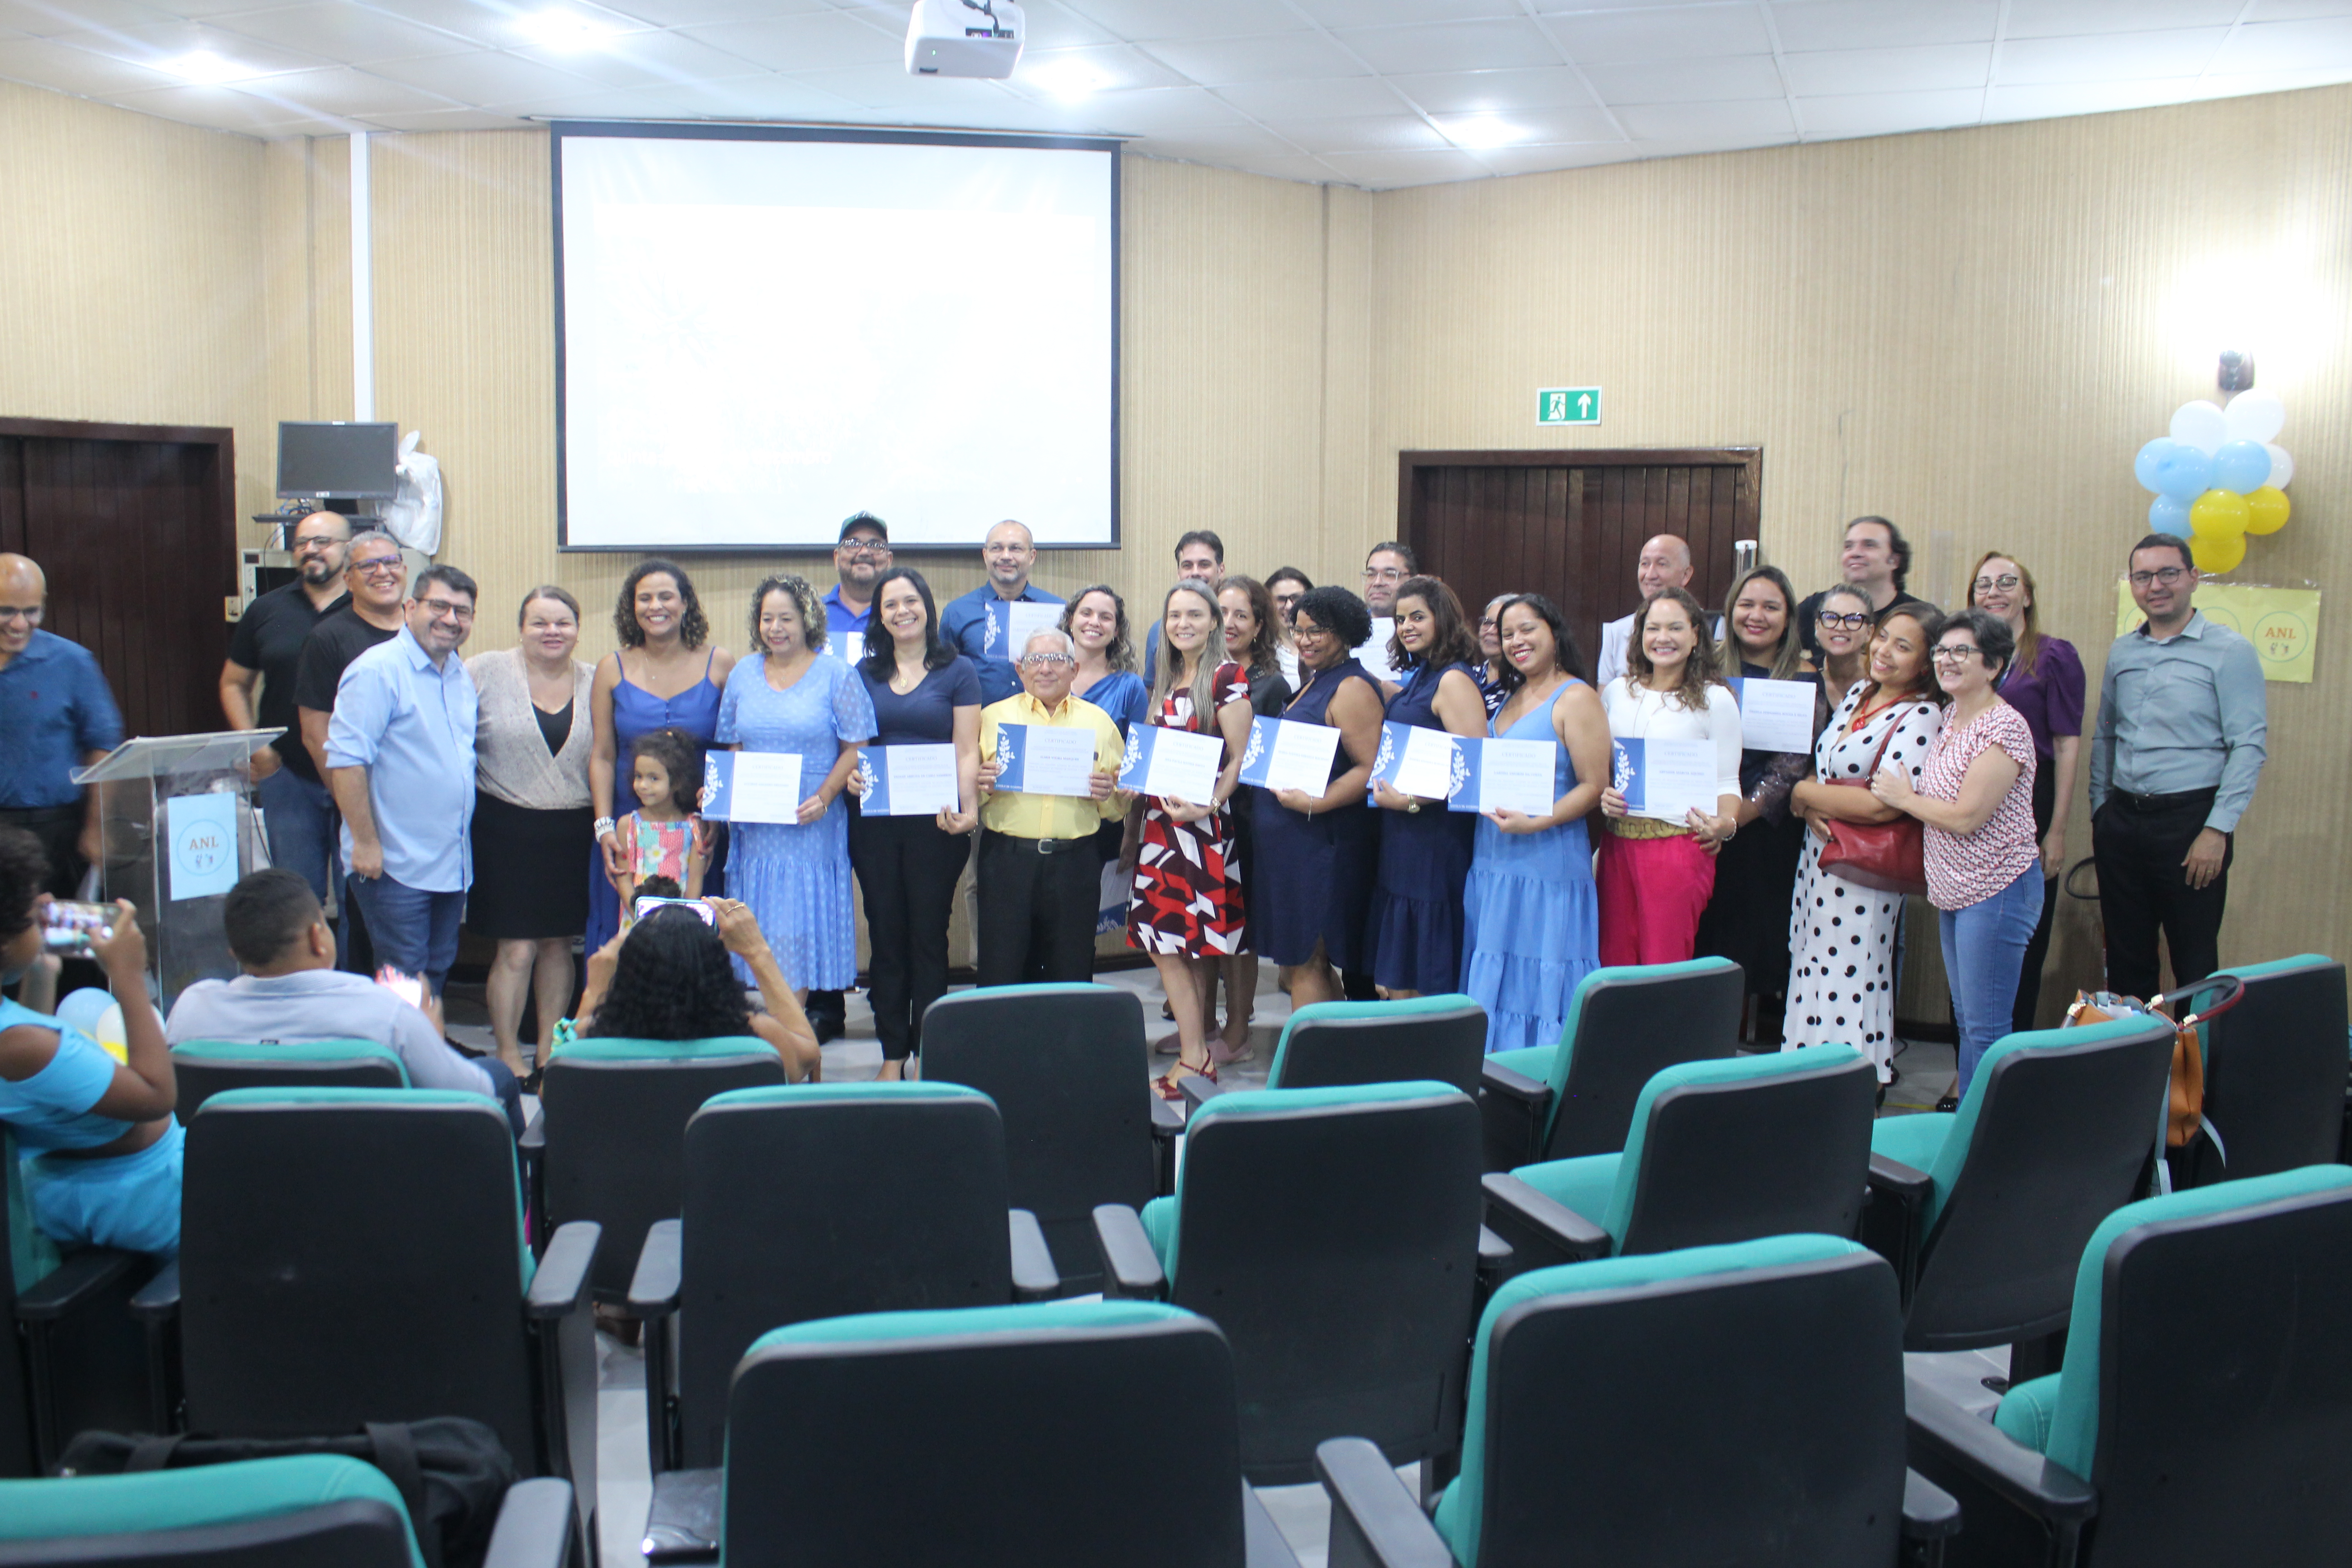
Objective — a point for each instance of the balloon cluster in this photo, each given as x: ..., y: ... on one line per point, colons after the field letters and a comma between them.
x: 2219, y: 477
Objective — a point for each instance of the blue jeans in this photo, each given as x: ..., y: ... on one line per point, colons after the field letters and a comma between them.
x: 412, y: 930
x: 300, y: 815
x: 1984, y: 949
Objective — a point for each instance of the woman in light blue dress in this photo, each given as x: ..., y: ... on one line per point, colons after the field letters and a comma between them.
x: 1531, y: 916
x: 795, y: 876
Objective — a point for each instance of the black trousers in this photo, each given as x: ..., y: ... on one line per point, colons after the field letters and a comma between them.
x: 1038, y: 909
x: 907, y: 870
x: 2037, y: 946
x: 2138, y: 841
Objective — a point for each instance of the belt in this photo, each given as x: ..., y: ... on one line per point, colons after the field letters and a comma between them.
x: 1046, y: 846
x: 2152, y: 803
x: 1644, y: 827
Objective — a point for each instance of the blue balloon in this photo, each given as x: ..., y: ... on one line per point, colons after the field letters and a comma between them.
x: 2242, y: 466
x: 2143, y: 465
x: 2184, y: 473
x: 2165, y: 515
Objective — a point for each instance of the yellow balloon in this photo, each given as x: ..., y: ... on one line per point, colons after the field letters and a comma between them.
x: 2218, y: 552
x: 2219, y: 514
x: 2266, y: 510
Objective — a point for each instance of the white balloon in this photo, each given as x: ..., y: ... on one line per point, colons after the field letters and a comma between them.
x: 2255, y: 415
x: 2282, y: 466
x: 2200, y: 425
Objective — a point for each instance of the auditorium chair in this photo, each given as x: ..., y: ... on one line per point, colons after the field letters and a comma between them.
x: 606, y: 1145
x: 1984, y: 1211
x: 203, y: 1068
x: 1328, y: 1045
x: 1625, y: 1024
x: 1068, y: 1069
x: 354, y: 1255
x: 1333, y: 1234
x: 1720, y: 1405
x: 814, y: 1201
x: 1720, y: 1152
x: 2204, y: 1412
x: 1063, y: 1433
x: 2275, y: 1073
x: 310, y: 1510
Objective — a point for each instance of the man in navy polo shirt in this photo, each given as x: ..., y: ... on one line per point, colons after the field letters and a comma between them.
x: 57, y: 715
x: 862, y: 556
x: 1008, y: 552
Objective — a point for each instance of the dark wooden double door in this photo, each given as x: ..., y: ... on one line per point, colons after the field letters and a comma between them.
x: 1570, y: 524
x: 135, y: 526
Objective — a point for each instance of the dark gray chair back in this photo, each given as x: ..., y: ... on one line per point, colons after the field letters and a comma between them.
x: 1630, y: 1026
x: 1333, y: 1044
x: 200, y: 1077
x: 2275, y: 1073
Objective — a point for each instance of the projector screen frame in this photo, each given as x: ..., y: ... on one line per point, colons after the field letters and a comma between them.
x: 696, y: 131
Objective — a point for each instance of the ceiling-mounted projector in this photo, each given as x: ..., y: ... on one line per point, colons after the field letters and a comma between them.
x: 964, y: 37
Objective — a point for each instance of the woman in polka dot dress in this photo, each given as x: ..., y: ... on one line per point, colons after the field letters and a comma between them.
x: 1841, y: 934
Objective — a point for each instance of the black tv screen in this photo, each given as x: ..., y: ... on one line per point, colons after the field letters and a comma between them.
x: 338, y: 458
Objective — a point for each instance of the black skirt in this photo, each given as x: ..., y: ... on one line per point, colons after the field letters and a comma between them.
x: 526, y: 880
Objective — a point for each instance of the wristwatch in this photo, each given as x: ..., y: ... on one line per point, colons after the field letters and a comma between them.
x: 1413, y: 806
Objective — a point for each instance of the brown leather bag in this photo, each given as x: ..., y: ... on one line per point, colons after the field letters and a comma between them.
x: 1888, y: 857
x: 2185, y: 1112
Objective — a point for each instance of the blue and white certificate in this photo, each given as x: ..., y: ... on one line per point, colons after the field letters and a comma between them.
x: 1507, y: 775
x: 1173, y: 764
x: 751, y: 786
x: 907, y: 781
x: 1013, y: 622
x: 1417, y: 761
x: 1285, y: 753
x: 1045, y: 759
x: 1665, y: 779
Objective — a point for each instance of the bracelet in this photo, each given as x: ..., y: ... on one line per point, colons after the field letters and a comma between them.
x: 603, y: 825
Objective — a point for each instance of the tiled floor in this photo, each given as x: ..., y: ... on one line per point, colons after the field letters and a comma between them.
x: 624, y: 1479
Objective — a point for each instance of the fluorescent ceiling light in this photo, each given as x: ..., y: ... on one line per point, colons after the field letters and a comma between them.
x: 1068, y: 79
x: 567, y: 30
x: 1481, y: 131
x: 208, y: 68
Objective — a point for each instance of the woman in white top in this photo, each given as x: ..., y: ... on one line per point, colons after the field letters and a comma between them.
x: 1656, y: 876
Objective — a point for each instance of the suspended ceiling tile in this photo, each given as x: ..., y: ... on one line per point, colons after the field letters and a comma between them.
x: 646, y: 59
x: 1686, y: 122
x: 1561, y: 155
x: 815, y: 41
x: 1502, y: 91
x: 1451, y: 45
x: 1229, y: 62
x: 156, y: 43
x: 1889, y: 113
x: 1235, y: 146
x: 1405, y: 13
x: 68, y: 69
x: 2317, y: 44
x: 1150, y: 21
x: 484, y: 79
x: 342, y: 91
x: 221, y: 108
x: 1043, y: 73
x: 1537, y: 126
x: 2109, y: 57
x: 2047, y: 100
x: 1692, y: 81
x: 2296, y: 10
x: 1928, y: 69
x: 2075, y: 18
x: 1689, y: 33
x: 1377, y: 133
x: 488, y: 22
x: 1875, y: 24
x: 1165, y: 111
x: 700, y: 13
x: 1387, y: 171
x: 334, y: 30
x: 444, y: 120
x: 926, y: 98
x: 1329, y: 98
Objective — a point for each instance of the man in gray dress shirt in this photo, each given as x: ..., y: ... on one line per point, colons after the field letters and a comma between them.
x: 2182, y: 720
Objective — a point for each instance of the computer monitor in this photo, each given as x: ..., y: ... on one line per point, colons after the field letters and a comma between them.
x: 337, y: 458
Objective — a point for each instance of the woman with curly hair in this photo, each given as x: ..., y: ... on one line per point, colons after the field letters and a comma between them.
x: 795, y: 875
x: 668, y: 978
x: 662, y: 674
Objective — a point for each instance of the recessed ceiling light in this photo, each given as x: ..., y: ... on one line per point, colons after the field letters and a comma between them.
x: 1481, y: 131
x: 206, y: 66
x: 1068, y: 79
x: 567, y: 30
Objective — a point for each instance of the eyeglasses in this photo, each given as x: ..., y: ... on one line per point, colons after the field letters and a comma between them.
x: 2167, y: 575
x: 377, y: 566
x: 315, y: 542
x: 1045, y: 660
x: 2005, y: 582
x: 450, y: 609
x: 1835, y: 622
x: 1384, y: 574
x: 27, y: 613
x: 1958, y: 653
x: 861, y: 547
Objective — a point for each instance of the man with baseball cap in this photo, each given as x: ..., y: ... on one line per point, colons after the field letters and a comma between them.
x: 862, y: 555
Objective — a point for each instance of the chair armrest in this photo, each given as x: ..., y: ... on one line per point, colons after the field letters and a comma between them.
x: 1523, y: 1211
x: 1512, y: 1111
x: 1197, y: 1090
x: 661, y: 1265
x: 1509, y: 1080
x: 1167, y: 1120
x: 1375, y: 1522
x: 534, y: 1526
x: 1929, y: 1512
x: 534, y: 1137
x: 560, y: 1286
x: 1263, y: 1545
x: 1034, y: 1277
x: 78, y: 1281
x: 1130, y: 1267
x: 1892, y: 1221
x: 158, y: 1301
x: 683, y: 1524
x: 1947, y: 1436
x: 1897, y: 1179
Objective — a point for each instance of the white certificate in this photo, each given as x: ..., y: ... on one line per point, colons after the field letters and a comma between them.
x: 1676, y: 777
x: 1518, y: 775
x: 1023, y: 620
x: 1057, y: 761
x: 766, y: 787
x: 1183, y: 766
x: 1775, y: 715
x: 1302, y: 757
x: 918, y: 781
x: 1425, y: 765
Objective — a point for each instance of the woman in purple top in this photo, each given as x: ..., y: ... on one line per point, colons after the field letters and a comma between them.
x: 2045, y: 684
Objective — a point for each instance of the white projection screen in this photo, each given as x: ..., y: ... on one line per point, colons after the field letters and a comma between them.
x: 763, y: 329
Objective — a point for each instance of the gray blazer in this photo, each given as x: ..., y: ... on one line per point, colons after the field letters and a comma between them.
x: 511, y: 755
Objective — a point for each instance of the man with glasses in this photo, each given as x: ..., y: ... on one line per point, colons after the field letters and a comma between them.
x: 966, y: 622
x: 56, y: 714
x: 1387, y: 565
x: 377, y: 577
x: 2179, y: 746
x: 1875, y: 558
x: 862, y: 555
x: 400, y: 758
x: 1040, y: 880
x: 266, y: 649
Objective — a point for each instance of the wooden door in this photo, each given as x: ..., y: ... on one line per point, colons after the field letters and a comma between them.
x: 135, y: 526
x: 1569, y: 524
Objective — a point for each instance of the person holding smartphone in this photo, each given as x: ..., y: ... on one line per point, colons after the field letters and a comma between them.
x: 104, y: 1147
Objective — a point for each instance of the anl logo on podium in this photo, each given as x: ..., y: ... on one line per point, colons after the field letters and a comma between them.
x: 1568, y: 406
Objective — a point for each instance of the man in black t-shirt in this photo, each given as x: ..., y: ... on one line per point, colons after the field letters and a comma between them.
x: 1875, y: 558
x: 266, y: 649
x: 378, y: 580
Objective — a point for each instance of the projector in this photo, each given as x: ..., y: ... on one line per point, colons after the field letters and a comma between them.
x: 964, y: 37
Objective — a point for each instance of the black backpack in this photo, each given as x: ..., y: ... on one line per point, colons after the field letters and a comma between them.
x: 451, y: 1472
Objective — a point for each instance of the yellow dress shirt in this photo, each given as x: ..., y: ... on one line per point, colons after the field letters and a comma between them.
x: 1023, y: 815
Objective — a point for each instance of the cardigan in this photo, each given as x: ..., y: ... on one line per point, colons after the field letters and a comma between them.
x: 511, y: 755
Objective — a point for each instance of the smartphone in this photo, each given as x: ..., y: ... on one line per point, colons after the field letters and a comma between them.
x: 409, y: 988
x: 69, y: 927
x: 646, y: 906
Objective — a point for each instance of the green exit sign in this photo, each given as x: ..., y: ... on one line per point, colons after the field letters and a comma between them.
x: 1568, y: 406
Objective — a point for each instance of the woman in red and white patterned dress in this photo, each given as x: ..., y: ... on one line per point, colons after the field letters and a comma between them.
x: 1187, y: 911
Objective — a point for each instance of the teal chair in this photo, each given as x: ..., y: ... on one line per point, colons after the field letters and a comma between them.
x: 310, y: 1510
x: 1625, y: 1025
x: 2203, y: 1414
x: 1720, y: 1405
x: 1332, y: 1044
x: 1984, y: 1211
x: 1720, y: 1152
x: 204, y: 1068
x: 2275, y: 1073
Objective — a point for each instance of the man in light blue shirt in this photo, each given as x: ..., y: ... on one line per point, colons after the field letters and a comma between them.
x: 966, y: 624
x: 400, y: 758
x: 862, y: 555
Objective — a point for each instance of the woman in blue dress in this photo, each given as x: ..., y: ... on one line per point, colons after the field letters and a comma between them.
x: 795, y: 875
x: 662, y: 676
x: 1318, y: 854
x: 1415, y: 931
x: 1531, y: 915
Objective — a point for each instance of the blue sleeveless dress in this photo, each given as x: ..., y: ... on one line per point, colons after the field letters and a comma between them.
x: 1531, y: 915
x: 1415, y: 930
x: 634, y: 712
x: 1314, y: 878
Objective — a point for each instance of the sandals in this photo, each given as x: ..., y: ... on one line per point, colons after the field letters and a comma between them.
x: 1168, y: 1086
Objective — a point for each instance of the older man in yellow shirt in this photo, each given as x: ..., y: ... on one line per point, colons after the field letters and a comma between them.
x: 1039, y: 877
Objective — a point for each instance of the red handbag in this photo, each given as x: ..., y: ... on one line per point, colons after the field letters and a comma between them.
x: 1886, y: 857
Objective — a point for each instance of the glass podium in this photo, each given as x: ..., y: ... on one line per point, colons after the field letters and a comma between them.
x: 180, y: 828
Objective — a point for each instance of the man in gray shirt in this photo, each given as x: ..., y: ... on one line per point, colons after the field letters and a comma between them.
x: 2178, y: 745
x: 291, y: 994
